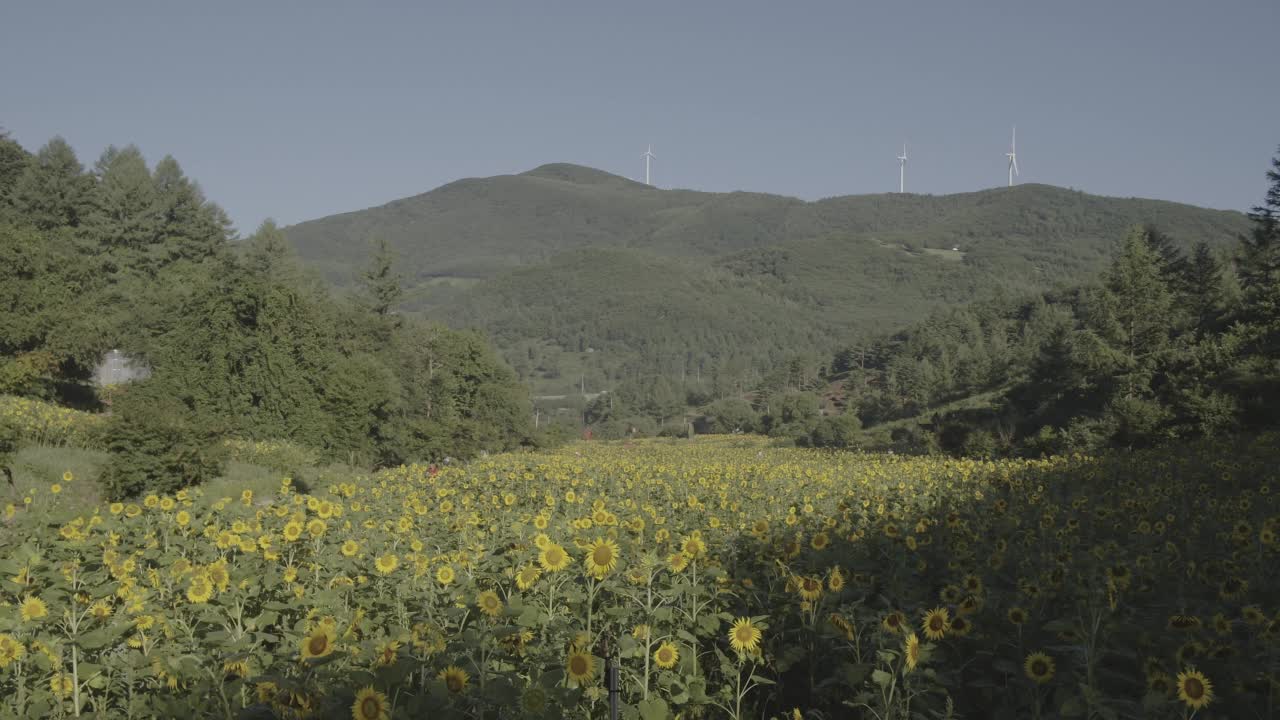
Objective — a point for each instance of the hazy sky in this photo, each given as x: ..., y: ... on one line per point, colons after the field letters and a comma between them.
x: 298, y: 110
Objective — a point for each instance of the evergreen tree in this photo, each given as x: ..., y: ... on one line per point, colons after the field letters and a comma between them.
x: 1205, y: 289
x: 13, y: 160
x: 1131, y: 317
x: 53, y: 190
x: 124, y: 213
x: 188, y: 226
x: 382, y: 290
x: 1259, y: 267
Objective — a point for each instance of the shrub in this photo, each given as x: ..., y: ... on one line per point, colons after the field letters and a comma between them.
x: 157, y: 445
x: 839, y: 431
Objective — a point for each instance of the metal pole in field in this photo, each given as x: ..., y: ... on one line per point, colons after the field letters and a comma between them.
x: 611, y: 677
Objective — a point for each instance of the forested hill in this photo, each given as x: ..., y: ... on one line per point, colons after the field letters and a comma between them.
x: 479, y: 227
x: 588, y: 279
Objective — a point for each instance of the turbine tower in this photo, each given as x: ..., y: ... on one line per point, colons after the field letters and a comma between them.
x: 1012, y: 155
x: 902, y: 169
x: 648, y: 155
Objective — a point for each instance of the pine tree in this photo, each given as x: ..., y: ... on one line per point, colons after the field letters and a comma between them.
x: 381, y: 283
x: 1205, y: 289
x: 53, y: 190
x: 1259, y: 266
x: 13, y: 160
x: 1133, y: 315
x: 124, y: 212
x: 188, y: 226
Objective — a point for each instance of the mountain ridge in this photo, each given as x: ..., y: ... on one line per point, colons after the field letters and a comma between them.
x: 812, y: 272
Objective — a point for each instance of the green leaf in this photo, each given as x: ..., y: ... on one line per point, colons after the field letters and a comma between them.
x: 654, y: 709
x: 881, y: 678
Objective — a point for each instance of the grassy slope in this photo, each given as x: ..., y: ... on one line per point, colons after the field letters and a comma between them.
x: 37, y: 467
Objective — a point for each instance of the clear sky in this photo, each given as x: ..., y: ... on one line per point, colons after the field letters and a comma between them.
x: 295, y: 110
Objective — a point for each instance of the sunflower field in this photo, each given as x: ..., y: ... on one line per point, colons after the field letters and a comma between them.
x: 712, y: 578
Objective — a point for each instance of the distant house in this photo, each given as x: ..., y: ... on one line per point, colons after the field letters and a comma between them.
x: 116, y: 368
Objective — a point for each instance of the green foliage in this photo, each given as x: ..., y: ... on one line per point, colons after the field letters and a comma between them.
x: 790, y: 414
x: 728, y: 415
x: 839, y: 431
x: 239, y: 338
x: 580, y: 274
x: 1163, y: 348
x: 53, y: 190
x: 381, y: 282
x: 157, y: 444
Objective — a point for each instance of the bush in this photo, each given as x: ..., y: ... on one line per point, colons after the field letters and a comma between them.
x: 840, y: 431
x: 727, y: 415
x: 157, y: 445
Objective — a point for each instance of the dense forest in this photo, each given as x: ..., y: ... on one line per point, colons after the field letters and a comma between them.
x: 1165, y: 345
x: 239, y: 339
x: 588, y: 282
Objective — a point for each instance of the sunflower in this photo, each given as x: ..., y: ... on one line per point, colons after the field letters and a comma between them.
x: 678, y: 562
x: 445, y: 574
x: 490, y: 604
x: 601, y: 558
x: 820, y: 541
x: 387, y: 564
x: 292, y: 531
x: 1194, y: 689
x: 350, y: 548
x: 62, y: 684
x: 316, y: 527
x: 960, y: 626
x: 912, y: 652
x: 387, y: 652
x: 454, y: 678
x: 534, y: 701
x: 1017, y: 615
x: 318, y: 643
x: 693, y: 546
x: 744, y: 636
x: 33, y: 608
x: 10, y: 650
x: 580, y: 665
x: 835, y: 580
x: 1183, y: 622
x: 370, y: 705
x: 1160, y: 683
x: 200, y: 589
x: 936, y: 623
x: 527, y: 576
x: 893, y: 622
x: 553, y: 557
x: 809, y: 588
x: 1039, y: 667
x: 666, y: 656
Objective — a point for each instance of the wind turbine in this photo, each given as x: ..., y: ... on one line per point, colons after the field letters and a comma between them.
x: 902, y: 169
x: 648, y: 155
x: 1013, y: 155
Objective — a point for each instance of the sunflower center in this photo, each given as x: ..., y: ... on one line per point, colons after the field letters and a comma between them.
x: 578, y: 665
x: 370, y: 708
x: 1039, y: 667
x: 454, y: 682
x: 1194, y: 688
x: 318, y: 644
x: 602, y: 555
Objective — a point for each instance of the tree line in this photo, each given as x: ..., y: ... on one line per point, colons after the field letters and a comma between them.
x: 241, y: 340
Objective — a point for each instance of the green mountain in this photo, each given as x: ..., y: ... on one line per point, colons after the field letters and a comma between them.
x: 588, y: 279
